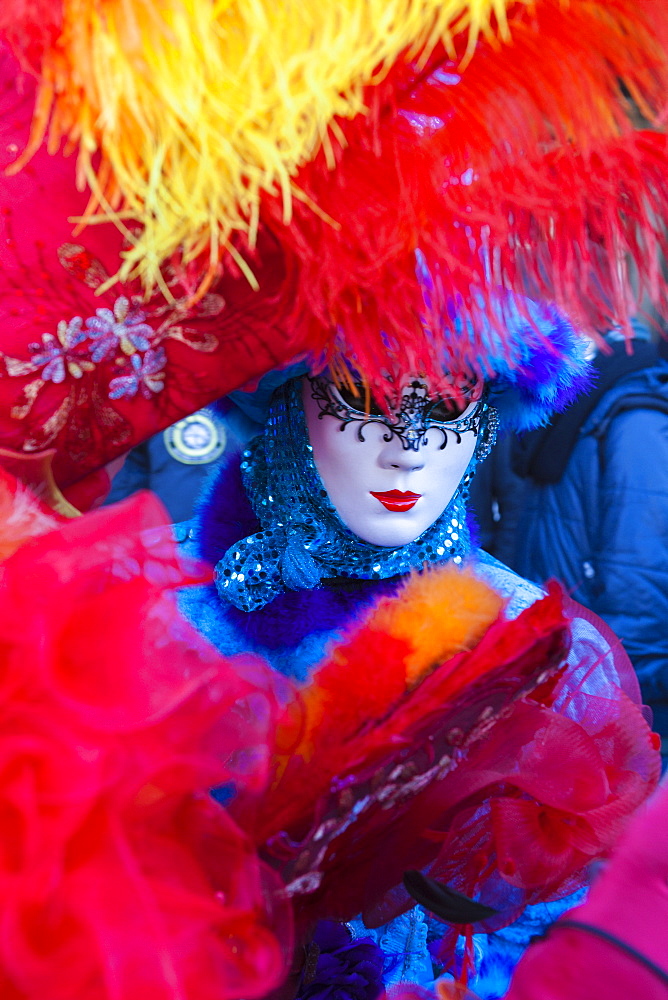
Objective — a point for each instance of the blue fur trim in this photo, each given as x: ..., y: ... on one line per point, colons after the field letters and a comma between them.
x: 548, y: 370
x: 223, y: 514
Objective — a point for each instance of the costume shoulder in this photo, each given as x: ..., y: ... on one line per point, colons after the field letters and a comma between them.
x: 590, y: 636
x: 519, y: 592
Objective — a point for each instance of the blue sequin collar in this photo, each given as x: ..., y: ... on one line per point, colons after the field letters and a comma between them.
x: 302, y: 539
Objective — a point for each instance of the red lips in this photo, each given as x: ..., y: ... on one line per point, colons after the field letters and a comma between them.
x: 397, y: 501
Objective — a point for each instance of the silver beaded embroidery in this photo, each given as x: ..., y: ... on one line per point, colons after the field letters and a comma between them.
x: 302, y: 539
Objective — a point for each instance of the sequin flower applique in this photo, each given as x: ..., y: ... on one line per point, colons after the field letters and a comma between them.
x: 123, y: 329
x: 105, y: 352
x: 117, y: 339
x: 56, y: 356
x: 147, y: 376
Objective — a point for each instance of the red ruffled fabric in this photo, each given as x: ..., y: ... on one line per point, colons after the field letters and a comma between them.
x: 503, y: 774
x: 120, y: 877
x: 628, y: 901
x: 517, y: 167
x: 502, y: 771
x: 554, y: 786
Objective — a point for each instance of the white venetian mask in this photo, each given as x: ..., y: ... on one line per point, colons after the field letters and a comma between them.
x: 391, y: 475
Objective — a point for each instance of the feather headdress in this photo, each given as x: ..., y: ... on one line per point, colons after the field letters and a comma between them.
x: 323, y: 155
x: 420, y: 117
x: 198, y: 108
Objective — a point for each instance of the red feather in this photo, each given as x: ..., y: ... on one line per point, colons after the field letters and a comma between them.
x: 522, y: 169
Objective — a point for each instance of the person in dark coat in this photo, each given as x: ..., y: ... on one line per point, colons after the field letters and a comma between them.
x: 496, y: 498
x: 174, y: 463
x: 596, y: 507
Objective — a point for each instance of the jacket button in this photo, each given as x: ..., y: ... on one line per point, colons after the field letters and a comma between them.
x: 588, y: 570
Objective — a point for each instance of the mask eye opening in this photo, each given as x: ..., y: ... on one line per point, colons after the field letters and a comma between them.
x: 450, y: 408
x: 357, y: 397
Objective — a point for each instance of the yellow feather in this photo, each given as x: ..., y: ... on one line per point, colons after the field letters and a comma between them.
x: 198, y: 106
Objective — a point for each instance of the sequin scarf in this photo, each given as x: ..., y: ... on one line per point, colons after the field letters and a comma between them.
x: 302, y: 540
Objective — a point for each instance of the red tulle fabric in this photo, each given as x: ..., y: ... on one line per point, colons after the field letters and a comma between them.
x: 629, y: 901
x: 503, y: 773
x: 119, y: 876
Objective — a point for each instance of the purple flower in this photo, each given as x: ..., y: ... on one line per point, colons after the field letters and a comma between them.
x: 123, y: 328
x: 146, y: 375
x: 344, y: 969
x: 51, y: 355
x: 55, y: 353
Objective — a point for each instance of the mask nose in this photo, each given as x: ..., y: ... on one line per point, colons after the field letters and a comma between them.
x: 393, y: 455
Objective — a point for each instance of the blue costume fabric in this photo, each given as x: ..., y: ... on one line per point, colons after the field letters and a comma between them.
x: 292, y: 633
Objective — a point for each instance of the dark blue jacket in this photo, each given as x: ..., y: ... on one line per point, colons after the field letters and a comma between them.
x: 174, y: 463
x: 496, y: 499
x: 602, y: 528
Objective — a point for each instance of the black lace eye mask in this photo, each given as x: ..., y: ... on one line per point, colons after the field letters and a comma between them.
x: 417, y: 413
